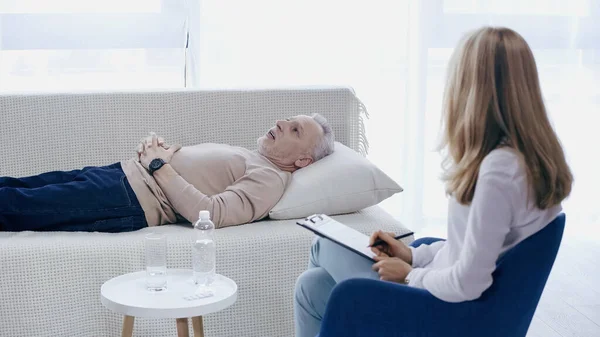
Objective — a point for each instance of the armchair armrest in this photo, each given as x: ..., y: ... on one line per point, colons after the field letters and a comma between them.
x: 364, y: 307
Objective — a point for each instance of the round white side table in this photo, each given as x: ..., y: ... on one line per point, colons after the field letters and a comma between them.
x: 127, y: 295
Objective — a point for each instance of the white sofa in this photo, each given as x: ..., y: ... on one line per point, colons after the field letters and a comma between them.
x: 50, y: 281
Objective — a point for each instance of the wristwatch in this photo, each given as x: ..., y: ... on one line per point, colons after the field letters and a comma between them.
x: 155, y: 165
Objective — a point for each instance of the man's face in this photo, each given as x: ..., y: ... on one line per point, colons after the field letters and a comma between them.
x: 290, y: 141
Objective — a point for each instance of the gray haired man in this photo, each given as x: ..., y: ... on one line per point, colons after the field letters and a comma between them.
x: 167, y: 184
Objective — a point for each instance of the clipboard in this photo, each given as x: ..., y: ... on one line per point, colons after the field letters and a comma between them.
x: 335, y: 231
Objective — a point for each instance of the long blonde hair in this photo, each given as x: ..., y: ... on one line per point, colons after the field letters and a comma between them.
x: 493, y: 97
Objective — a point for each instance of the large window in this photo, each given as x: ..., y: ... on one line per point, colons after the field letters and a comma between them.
x: 565, y: 38
x: 90, y: 44
x: 395, y: 54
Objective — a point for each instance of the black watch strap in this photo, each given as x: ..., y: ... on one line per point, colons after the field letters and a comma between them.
x: 155, y: 165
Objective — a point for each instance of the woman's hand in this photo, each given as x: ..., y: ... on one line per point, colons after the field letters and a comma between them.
x: 391, y: 247
x: 391, y: 268
x: 153, y: 150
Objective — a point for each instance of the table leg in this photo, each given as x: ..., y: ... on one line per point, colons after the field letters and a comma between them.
x: 198, y: 326
x: 182, y: 327
x: 127, y: 326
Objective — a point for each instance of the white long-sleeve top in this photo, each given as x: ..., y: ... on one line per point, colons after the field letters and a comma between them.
x: 501, y: 214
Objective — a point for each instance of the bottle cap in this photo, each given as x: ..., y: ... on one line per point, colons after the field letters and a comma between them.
x: 204, y: 215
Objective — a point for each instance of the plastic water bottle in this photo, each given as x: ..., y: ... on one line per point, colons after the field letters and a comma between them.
x: 204, y: 251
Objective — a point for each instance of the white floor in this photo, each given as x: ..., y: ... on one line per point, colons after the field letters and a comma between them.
x: 570, y: 304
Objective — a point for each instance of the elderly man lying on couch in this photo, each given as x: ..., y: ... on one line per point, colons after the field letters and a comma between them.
x: 165, y: 184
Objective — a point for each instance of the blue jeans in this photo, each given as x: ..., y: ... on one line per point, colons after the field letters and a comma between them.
x: 328, y: 265
x: 91, y: 199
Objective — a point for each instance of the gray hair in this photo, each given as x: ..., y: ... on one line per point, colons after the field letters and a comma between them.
x: 326, y: 145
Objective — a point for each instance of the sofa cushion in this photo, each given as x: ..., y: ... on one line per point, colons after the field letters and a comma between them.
x: 51, y: 280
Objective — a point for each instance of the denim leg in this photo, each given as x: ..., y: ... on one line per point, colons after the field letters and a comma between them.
x: 312, y: 291
x: 97, y: 199
x: 48, y: 178
x: 339, y: 262
x: 328, y: 265
x: 40, y: 180
x: 112, y: 225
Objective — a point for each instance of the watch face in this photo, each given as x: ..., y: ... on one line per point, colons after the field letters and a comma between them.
x: 155, y: 163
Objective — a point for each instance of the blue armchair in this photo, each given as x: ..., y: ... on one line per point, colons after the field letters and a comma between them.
x: 363, y: 307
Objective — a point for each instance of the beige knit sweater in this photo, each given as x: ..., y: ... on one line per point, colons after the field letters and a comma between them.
x: 236, y: 185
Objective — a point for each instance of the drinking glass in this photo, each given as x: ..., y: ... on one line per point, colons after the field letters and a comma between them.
x: 156, y: 262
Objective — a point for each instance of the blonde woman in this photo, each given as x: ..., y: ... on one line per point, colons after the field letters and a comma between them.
x: 505, y: 174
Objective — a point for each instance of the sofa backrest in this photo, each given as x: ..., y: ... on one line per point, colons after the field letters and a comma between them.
x: 62, y: 131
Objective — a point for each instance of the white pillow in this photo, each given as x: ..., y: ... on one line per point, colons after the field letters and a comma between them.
x: 343, y: 182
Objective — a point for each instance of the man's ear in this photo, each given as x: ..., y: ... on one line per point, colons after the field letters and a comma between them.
x: 303, y: 162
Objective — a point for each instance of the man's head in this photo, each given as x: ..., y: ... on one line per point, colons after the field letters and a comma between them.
x: 297, y: 142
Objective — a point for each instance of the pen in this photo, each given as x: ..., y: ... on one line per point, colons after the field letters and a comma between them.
x: 380, y: 242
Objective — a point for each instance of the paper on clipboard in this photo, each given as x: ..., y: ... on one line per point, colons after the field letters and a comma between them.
x: 339, y: 233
